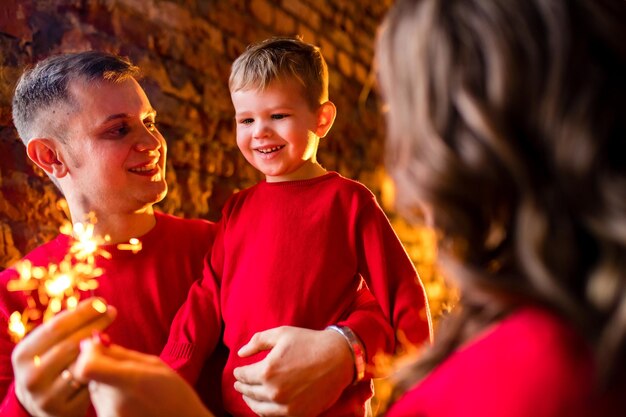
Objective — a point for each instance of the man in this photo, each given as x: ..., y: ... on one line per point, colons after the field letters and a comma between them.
x: 88, y: 124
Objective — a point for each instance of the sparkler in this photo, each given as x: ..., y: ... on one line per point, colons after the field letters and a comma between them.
x: 51, y: 288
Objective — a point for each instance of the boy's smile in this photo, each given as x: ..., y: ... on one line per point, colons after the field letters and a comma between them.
x: 278, y: 132
x: 265, y: 150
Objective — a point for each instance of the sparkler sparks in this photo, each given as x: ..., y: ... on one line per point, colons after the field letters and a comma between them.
x: 87, y: 246
x: 133, y: 245
x: 50, y: 289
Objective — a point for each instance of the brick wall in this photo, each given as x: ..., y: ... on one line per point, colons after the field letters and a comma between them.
x: 185, y: 48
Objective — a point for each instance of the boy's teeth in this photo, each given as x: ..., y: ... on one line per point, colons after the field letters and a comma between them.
x: 268, y: 150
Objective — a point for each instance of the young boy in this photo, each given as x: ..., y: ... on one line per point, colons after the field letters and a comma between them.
x: 297, y: 248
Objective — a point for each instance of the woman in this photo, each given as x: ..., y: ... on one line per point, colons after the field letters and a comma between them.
x: 506, y: 127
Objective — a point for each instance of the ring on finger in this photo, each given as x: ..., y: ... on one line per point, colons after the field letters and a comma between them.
x: 71, y: 380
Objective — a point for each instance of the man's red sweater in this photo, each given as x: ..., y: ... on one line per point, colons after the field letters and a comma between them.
x: 147, y: 288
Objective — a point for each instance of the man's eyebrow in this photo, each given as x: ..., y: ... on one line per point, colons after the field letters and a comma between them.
x: 116, y: 116
x: 150, y: 112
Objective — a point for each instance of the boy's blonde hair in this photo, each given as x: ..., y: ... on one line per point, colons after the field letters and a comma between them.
x: 278, y: 59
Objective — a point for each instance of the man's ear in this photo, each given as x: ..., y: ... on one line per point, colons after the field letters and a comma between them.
x: 325, y: 118
x: 45, y: 153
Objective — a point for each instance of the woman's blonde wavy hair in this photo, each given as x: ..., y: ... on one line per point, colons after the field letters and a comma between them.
x: 506, y: 118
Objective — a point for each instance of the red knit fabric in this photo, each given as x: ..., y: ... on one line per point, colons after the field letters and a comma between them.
x: 147, y: 289
x: 530, y: 364
x: 293, y: 253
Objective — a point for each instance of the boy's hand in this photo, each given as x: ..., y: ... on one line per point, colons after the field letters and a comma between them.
x: 303, y: 375
x: 44, y: 382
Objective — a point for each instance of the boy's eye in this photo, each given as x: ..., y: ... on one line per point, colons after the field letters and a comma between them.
x: 246, y: 121
x: 279, y: 116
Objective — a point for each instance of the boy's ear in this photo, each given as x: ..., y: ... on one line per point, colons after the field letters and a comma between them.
x: 44, y: 152
x: 325, y: 118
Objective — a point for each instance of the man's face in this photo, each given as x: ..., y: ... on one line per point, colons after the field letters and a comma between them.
x: 113, y: 151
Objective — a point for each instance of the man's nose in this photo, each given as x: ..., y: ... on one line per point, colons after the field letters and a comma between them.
x: 148, y: 141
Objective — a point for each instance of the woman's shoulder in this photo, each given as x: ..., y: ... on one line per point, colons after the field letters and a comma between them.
x: 530, y: 363
x: 536, y: 332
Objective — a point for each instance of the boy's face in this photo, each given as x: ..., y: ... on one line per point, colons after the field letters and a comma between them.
x: 277, y: 131
x: 114, y: 153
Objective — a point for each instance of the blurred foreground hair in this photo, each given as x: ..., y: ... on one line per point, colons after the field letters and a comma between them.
x: 506, y: 120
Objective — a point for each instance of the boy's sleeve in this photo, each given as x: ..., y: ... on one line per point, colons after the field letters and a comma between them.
x: 196, y: 328
x: 391, y: 276
x: 371, y: 327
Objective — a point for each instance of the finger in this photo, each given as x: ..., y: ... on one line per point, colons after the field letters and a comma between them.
x: 251, y: 374
x: 71, y: 402
x: 103, y: 369
x: 67, y: 385
x: 65, y: 393
x: 114, y: 365
x: 62, y: 354
x: 261, y: 341
x: 117, y: 352
x: 103, y: 399
x: 80, y: 396
x: 62, y: 325
x: 255, y: 392
x: 263, y: 408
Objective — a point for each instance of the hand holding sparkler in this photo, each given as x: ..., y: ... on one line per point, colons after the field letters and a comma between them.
x: 42, y: 360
